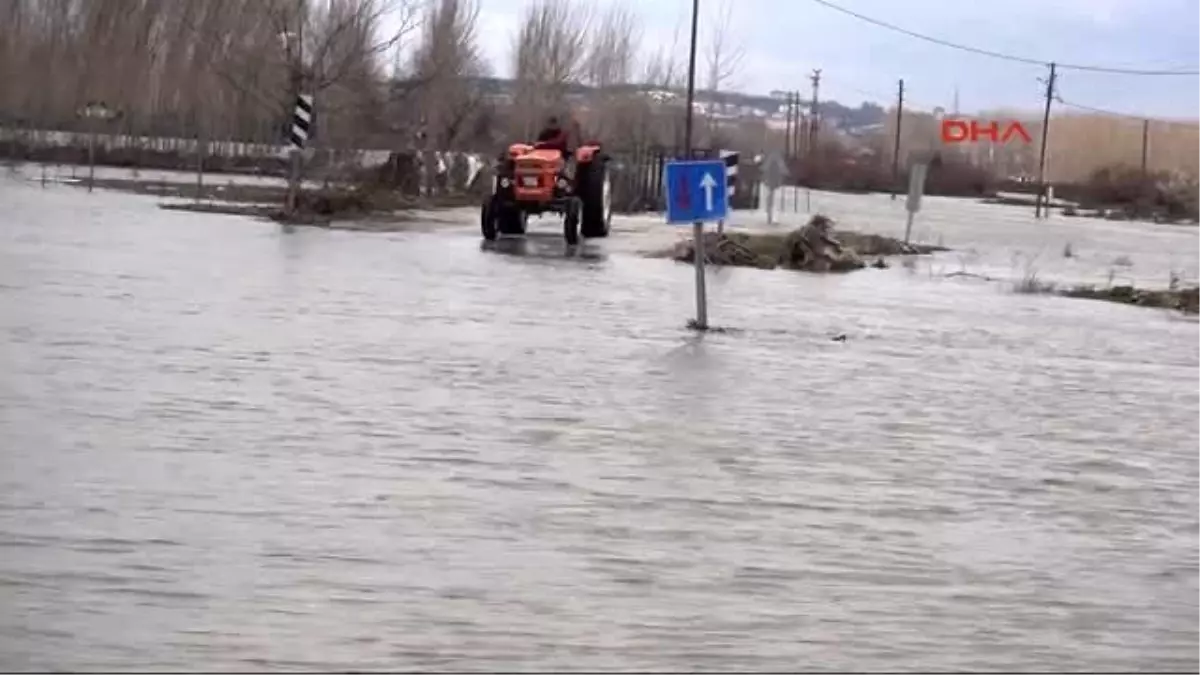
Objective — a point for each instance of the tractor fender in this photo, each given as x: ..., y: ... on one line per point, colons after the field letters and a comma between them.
x: 517, y: 149
x: 588, y: 153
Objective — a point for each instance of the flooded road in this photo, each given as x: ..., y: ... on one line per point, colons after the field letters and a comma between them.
x: 224, y: 446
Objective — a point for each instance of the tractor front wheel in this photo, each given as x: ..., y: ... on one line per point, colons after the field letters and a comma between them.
x: 499, y: 217
x: 595, y: 189
x: 488, y: 221
x: 511, y: 220
x: 571, y: 221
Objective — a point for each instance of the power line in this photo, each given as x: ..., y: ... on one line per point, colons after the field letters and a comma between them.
x: 1080, y: 106
x: 1113, y: 113
x: 1000, y: 55
x: 887, y: 98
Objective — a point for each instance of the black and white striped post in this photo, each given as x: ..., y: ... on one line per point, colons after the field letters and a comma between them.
x: 730, y: 158
x: 302, y: 121
x: 298, y: 135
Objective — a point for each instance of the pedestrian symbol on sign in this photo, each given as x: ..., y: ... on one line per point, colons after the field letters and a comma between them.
x: 684, y: 197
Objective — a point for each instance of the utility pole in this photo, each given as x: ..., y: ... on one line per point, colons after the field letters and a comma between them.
x: 1145, y: 155
x: 801, y: 133
x: 798, y: 133
x: 813, y: 129
x: 698, y: 254
x: 896, y: 142
x: 1145, y: 146
x: 794, y: 148
x: 788, y: 141
x: 691, y: 82
x: 814, y: 140
x: 1041, y: 196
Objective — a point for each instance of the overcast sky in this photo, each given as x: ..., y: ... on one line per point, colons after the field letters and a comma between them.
x: 785, y: 39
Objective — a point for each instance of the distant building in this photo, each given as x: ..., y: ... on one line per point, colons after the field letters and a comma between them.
x: 865, y: 130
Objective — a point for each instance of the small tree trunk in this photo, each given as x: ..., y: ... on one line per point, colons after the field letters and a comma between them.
x: 293, y: 191
x: 201, y: 151
x: 91, y: 157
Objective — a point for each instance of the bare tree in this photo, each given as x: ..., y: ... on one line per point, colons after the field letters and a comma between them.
x: 444, y: 72
x: 662, y: 69
x: 664, y: 74
x: 349, y: 38
x: 236, y: 64
x: 446, y: 66
x: 612, y: 49
x: 549, y: 55
x: 723, y: 60
x: 330, y: 49
x: 615, y: 108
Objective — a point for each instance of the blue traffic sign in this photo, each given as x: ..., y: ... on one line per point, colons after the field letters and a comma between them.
x: 697, y: 191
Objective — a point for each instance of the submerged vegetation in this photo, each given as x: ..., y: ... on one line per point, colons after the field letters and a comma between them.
x: 812, y: 248
x: 1177, y: 297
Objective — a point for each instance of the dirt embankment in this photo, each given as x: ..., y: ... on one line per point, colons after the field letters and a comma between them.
x: 811, y: 248
x: 321, y: 207
x: 1177, y: 296
x: 1186, y: 300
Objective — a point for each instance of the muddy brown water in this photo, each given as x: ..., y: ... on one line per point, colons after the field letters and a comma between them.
x: 224, y: 446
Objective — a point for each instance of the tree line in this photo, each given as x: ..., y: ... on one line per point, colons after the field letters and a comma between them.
x: 384, y: 72
x: 410, y: 74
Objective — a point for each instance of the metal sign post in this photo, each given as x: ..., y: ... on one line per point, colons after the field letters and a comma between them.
x: 916, y: 188
x: 94, y: 112
x: 774, y: 171
x: 697, y: 192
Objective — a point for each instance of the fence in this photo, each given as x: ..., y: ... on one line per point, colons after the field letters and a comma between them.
x: 638, y: 185
x: 637, y: 174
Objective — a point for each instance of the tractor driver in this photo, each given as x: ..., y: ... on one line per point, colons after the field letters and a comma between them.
x: 554, y: 136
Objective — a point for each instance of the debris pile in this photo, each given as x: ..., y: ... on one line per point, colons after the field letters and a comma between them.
x: 811, y: 248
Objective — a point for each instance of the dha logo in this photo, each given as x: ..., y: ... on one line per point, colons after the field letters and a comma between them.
x: 970, y: 131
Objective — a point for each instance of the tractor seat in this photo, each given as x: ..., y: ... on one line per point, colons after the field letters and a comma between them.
x: 547, y: 145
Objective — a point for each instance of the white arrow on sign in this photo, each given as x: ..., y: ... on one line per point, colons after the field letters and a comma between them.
x: 708, y: 183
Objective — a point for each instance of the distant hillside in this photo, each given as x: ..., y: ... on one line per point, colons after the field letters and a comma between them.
x: 757, y: 105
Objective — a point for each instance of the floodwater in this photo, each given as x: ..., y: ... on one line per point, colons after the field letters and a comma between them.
x: 226, y: 447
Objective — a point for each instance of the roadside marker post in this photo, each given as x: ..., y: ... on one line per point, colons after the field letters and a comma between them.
x: 774, y: 171
x: 299, y: 132
x: 730, y: 158
x: 94, y: 111
x: 916, y: 188
x: 697, y: 192
x: 302, y: 118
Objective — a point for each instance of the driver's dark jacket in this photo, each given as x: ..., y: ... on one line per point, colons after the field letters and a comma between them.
x: 556, y: 138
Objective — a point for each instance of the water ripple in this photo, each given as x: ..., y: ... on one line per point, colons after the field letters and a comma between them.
x: 229, y: 448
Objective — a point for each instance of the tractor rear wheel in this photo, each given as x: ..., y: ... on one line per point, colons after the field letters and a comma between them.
x: 595, y: 189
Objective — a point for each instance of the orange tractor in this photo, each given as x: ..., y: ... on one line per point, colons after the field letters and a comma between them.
x: 533, y: 179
